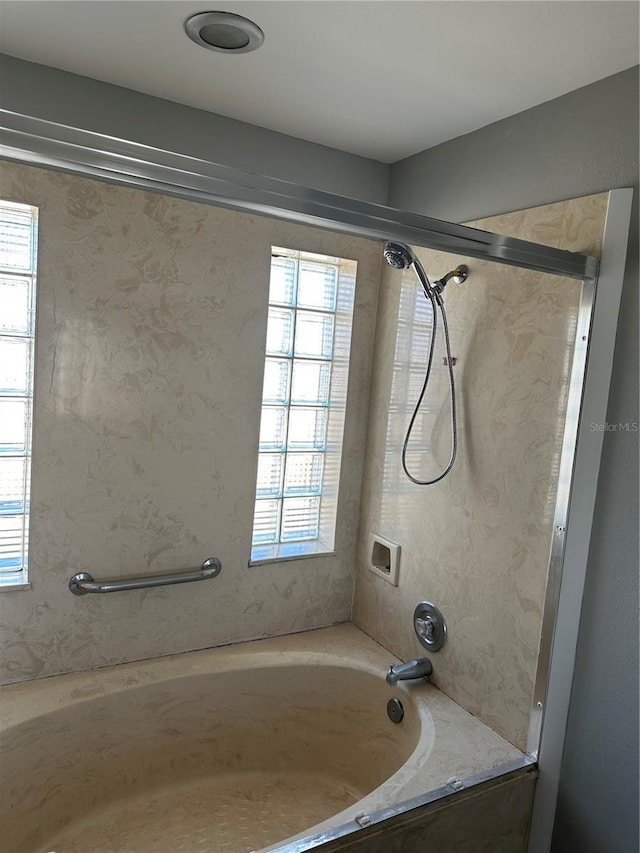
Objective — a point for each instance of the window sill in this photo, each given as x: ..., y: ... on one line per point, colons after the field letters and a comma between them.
x: 285, y: 553
x: 12, y: 587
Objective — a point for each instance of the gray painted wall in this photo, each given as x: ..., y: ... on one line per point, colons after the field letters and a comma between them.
x: 48, y: 93
x: 584, y: 142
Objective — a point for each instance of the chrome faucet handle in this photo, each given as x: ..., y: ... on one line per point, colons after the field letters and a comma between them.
x: 425, y: 628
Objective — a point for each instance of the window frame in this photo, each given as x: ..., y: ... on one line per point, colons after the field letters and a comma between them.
x: 18, y: 578
x: 335, y: 407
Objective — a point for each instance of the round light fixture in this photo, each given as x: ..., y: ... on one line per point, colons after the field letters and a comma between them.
x: 224, y: 32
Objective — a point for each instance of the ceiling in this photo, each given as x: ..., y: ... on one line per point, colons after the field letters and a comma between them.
x: 382, y: 79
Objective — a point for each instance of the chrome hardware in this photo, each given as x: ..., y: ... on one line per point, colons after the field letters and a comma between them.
x: 458, y: 275
x: 430, y: 627
x: 425, y: 628
x: 420, y: 668
x: 47, y: 143
x: 82, y: 582
x: 395, y: 710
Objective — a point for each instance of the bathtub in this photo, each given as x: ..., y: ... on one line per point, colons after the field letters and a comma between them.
x: 227, y: 750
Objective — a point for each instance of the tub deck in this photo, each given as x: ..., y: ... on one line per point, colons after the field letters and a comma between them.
x: 227, y: 804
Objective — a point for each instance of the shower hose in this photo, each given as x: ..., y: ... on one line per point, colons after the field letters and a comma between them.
x: 435, y: 298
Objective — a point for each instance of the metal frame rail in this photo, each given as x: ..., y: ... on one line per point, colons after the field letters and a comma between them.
x: 45, y: 143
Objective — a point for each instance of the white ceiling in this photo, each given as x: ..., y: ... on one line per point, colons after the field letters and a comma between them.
x: 379, y: 78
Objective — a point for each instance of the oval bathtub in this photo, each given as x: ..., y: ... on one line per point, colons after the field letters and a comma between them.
x: 226, y: 750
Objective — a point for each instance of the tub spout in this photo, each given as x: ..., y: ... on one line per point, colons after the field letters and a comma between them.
x: 420, y: 668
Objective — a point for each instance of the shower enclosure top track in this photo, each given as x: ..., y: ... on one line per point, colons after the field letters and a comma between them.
x: 45, y: 143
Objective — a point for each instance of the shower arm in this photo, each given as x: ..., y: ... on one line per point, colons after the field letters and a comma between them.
x: 83, y: 583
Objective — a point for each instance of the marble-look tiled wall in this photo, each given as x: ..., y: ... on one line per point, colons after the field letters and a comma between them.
x: 150, y: 346
x: 477, y: 543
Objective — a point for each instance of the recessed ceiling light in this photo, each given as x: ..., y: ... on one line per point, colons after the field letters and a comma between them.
x: 224, y: 32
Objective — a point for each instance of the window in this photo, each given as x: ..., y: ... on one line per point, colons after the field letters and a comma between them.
x: 311, y: 301
x: 18, y: 241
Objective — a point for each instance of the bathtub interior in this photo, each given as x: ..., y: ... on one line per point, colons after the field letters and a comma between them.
x: 305, y: 742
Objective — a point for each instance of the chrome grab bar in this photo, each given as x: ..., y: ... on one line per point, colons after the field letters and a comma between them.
x: 82, y: 582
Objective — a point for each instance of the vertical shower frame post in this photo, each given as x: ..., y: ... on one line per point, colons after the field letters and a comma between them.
x: 573, y: 520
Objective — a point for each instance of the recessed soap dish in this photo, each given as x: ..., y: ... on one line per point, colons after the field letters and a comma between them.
x: 384, y: 559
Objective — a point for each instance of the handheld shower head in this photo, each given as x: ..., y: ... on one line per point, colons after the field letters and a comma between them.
x: 398, y: 256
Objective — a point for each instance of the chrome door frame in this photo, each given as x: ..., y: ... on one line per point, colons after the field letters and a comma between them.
x: 573, y: 519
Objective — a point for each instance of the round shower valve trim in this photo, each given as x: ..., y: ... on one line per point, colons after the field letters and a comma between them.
x: 430, y: 627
